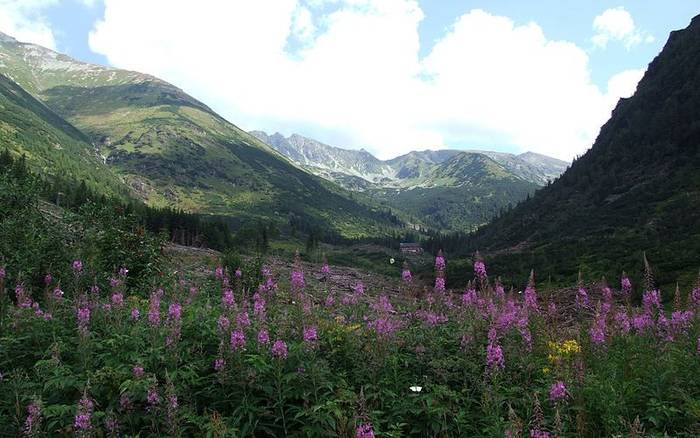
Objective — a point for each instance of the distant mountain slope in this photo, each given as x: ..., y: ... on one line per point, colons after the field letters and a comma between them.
x: 52, y: 145
x: 173, y: 150
x: 444, y: 189
x: 637, y: 189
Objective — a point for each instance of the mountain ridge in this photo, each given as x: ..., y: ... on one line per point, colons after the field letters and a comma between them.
x: 172, y: 150
x: 635, y: 192
x: 316, y: 155
x: 444, y: 189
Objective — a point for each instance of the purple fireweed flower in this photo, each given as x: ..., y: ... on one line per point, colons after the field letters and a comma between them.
x: 258, y: 305
x: 325, y: 269
x: 663, y: 326
x: 123, y: 272
x: 172, y: 402
x: 439, y: 262
x: 242, y: 320
x: 383, y: 327
x: 598, y: 330
x: 223, y: 323
x: 114, y: 282
x: 622, y: 321
x: 237, y: 339
x: 238, y: 273
x: 263, y: 337
x: 219, y: 364
x: 641, y: 322
x: 279, y: 349
x: 349, y: 299
x: 152, y: 397
x: 77, y: 267
x: 219, y: 273
x: 83, y: 417
x: 31, y: 423
x: 364, y: 431
x: 23, y: 299
x: 310, y: 334
x: 329, y: 299
x: 557, y: 391
x: 227, y: 299
x: 83, y: 317
x: 3, y: 273
x: 582, y: 297
x: 359, y: 288
x: 607, y: 295
x: 681, y: 320
x: 135, y: 314
x: 154, y: 307
x: 117, y: 299
x: 651, y: 299
x: 48, y: 279
x: 174, y: 312
x: 522, y: 324
x: 57, y: 293
x: 500, y: 292
x: 494, y: 357
x: 297, y: 280
x: 694, y: 297
x: 626, y: 285
x: 480, y: 270
x: 432, y: 319
x: 383, y: 305
x: 406, y: 276
x: 137, y: 371
x: 530, y: 297
x: 469, y: 297
x: 538, y: 433
x: 439, y: 284
x: 94, y: 289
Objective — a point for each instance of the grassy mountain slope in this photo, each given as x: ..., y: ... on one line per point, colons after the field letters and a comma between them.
x: 52, y: 145
x: 444, y: 189
x: 637, y: 189
x: 173, y: 150
x: 461, y: 193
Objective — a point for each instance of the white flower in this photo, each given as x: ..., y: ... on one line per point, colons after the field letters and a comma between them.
x: 391, y: 260
x: 416, y: 388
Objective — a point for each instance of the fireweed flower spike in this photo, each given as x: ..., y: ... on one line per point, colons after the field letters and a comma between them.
x: 364, y: 431
x: 279, y: 349
x: 31, y: 423
x: 557, y: 391
x: 77, y: 267
x: 530, y: 294
x: 479, y: 268
x: 406, y: 274
x: 83, y: 417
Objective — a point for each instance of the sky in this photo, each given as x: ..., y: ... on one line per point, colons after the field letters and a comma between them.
x: 389, y: 76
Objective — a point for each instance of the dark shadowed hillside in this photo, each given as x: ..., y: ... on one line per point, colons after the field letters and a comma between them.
x: 637, y: 189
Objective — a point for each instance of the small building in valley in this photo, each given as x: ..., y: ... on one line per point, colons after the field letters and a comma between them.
x: 410, y: 248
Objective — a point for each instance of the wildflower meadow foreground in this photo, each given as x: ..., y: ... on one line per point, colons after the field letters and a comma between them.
x: 244, y: 353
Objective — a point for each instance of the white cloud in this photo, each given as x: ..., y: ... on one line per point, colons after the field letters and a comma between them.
x: 354, y: 78
x: 23, y: 20
x: 616, y: 24
x: 624, y: 84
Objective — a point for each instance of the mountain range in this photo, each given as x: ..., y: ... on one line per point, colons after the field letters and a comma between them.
x: 146, y: 138
x: 444, y: 189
